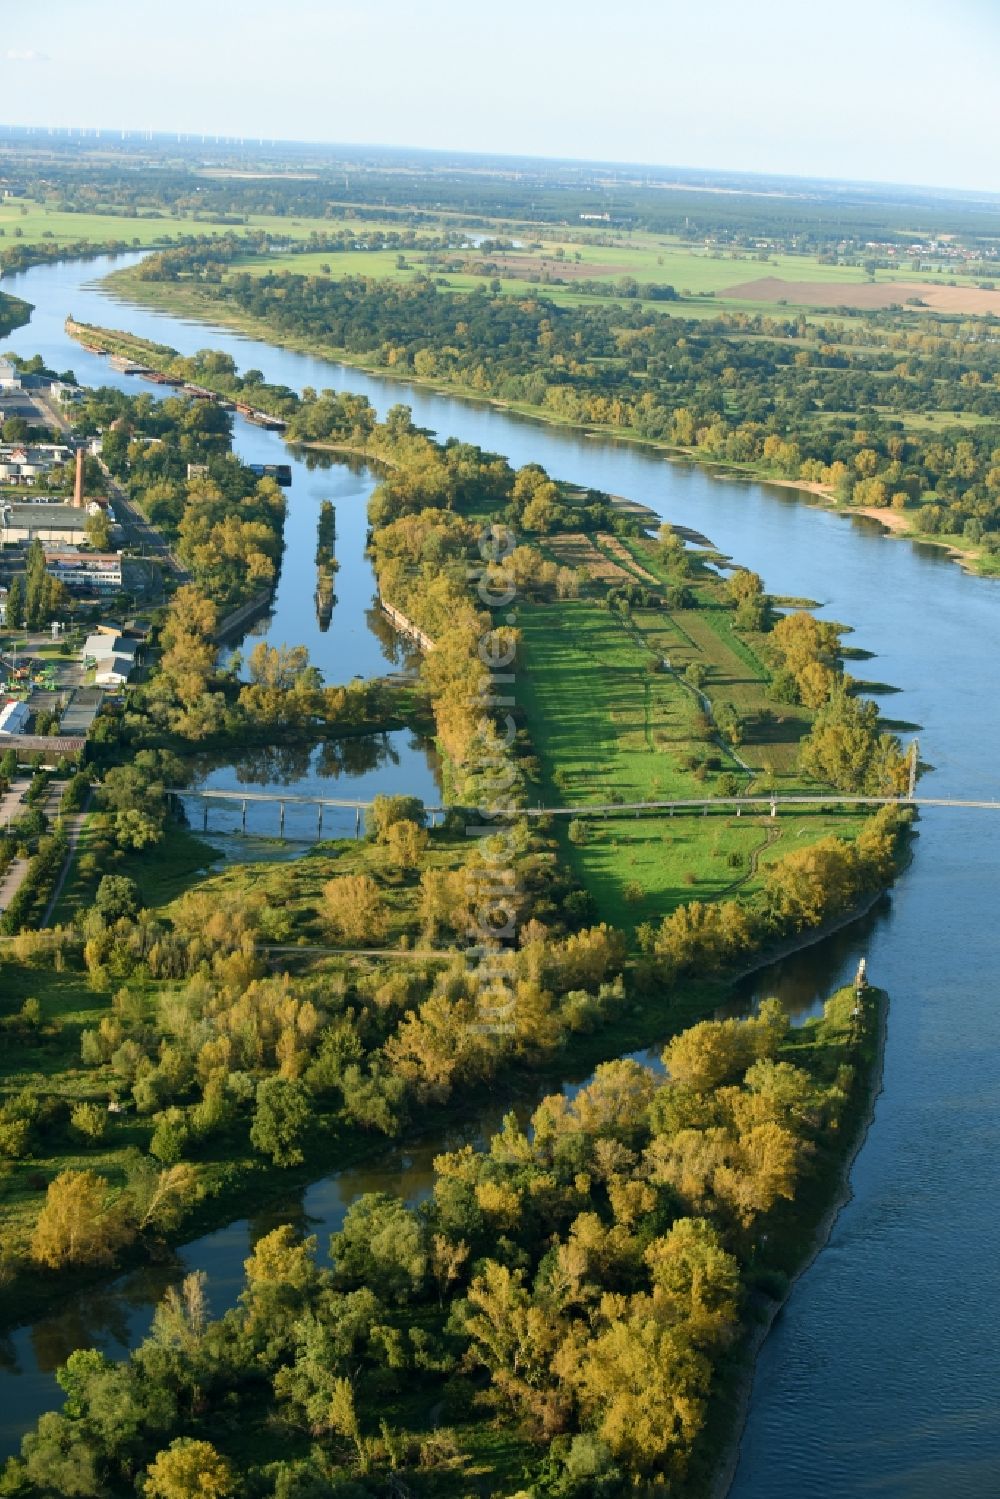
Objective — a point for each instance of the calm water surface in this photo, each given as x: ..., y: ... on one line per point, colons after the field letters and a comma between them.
x: 880, y: 1376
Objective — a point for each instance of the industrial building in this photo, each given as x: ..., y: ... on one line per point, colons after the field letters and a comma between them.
x: 85, y: 570
x: 14, y: 717
x: 81, y: 711
x: 114, y: 658
x: 113, y: 671
x: 26, y: 463
x: 61, y: 522
x: 43, y: 520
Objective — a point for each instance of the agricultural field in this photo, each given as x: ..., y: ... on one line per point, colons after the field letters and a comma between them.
x: 557, y: 259
x: 702, y: 277
x: 23, y: 221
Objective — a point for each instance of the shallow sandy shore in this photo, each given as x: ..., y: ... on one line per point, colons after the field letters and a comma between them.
x: 893, y: 520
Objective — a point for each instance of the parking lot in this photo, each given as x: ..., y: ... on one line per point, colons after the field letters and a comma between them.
x: 48, y: 682
x: 27, y: 405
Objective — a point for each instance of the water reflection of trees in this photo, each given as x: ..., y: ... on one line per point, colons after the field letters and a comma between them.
x: 398, y: 651
x: 326, y: 602
x: 804, y: 980
x: 100, y: 1317
x: 280, y: 765
x: 313, y: 459
x: 392, y: 643
x: 355, y: 757
x: 273, y: 764
x: 290, y: 1210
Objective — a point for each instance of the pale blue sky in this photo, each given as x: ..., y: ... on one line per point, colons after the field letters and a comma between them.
x: 891, y: 90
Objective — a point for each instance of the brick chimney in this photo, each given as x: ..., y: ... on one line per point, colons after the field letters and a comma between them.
x: 78, y: 491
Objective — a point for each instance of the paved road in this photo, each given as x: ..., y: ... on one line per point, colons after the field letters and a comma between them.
x: 12, y: 805
x: 49, y: 409
x: 73, y: 825
x: 138, y: 530
x: 12, y: 881
x: 12, y: 801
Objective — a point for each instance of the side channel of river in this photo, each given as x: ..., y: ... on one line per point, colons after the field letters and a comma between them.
x: 879, y: 1376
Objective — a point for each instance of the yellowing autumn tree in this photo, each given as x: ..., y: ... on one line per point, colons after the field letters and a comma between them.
x: 405, y: 843
x: 80, y: 1222
x: 643, y: 1386
x: 695, y: 1279
x: 707, y: 1055
x: 354, y: 908
x: 188, y: 1468
x: 801, y: 638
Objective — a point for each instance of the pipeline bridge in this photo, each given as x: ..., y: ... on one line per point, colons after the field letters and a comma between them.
x: 763, y: 804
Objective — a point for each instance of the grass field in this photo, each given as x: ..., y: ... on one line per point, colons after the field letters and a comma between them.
x: 689, y: 857
x: 701, y: 276
x: 294, y: 887
x: 161, y: 874
x: 40, y: 223
x: 607, y: 728
x: 704, y: 635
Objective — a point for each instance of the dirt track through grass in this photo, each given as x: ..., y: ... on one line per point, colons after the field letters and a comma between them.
x: 606, y: 726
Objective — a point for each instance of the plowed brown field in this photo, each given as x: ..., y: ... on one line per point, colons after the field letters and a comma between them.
x: 868, y: 296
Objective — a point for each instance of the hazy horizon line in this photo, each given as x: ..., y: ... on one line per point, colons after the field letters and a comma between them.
x: 127, y: 134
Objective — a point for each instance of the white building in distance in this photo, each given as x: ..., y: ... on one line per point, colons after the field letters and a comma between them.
x: 85, y: 570
x: 14, y: 717
x: 26, y: 463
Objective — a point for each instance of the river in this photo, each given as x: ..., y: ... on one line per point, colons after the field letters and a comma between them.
x: 878, y: 1377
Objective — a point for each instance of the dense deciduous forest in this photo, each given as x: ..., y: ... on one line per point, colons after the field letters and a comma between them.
x: 558, y: 1313
x: 831, y: 404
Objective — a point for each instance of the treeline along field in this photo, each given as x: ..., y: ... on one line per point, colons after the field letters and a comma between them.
x: 849, y: 406
x: 300, y: 181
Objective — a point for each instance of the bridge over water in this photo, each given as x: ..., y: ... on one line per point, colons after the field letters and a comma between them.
x: 770, y: 805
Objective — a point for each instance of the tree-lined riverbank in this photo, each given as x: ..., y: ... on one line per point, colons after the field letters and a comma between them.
x: 939, y: 478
